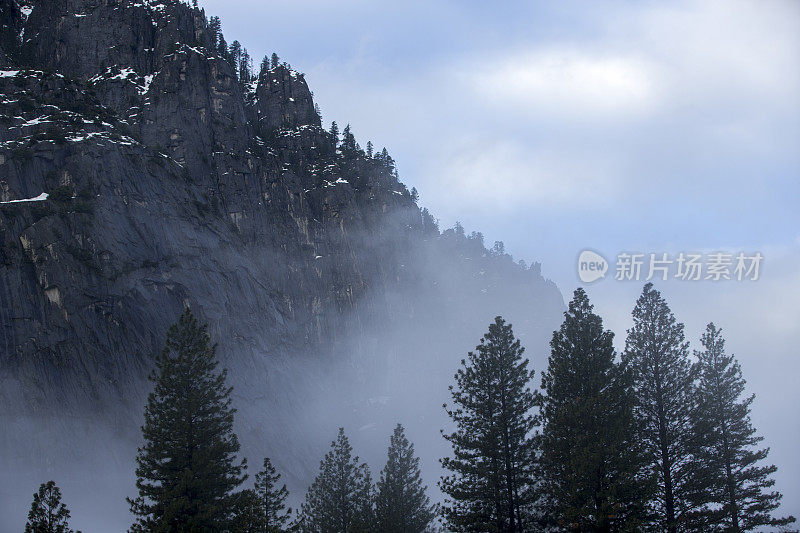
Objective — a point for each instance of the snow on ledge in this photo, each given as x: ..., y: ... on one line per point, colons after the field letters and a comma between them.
x: 39, y: 198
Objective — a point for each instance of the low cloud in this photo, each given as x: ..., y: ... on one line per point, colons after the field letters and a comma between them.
x: 500, y: 174
x: 566, y: 82
x: 557, y: 126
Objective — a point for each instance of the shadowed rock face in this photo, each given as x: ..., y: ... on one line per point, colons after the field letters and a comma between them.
x: 171, y: 183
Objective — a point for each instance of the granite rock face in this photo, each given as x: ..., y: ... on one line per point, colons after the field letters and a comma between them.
x: 171, y: 183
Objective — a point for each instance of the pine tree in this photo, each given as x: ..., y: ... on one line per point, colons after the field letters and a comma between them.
x: 658, y: 356
x: 272, y: 499
x: 740, y: 484
x: 274, y: 60
x: 334, y: 135
x: 364, y: 520
x: 245, y: 66
x: 187, y: 468
x: 401, y: 505
x: 235, y: 55
x: 48, y: 514
x: 477, y: 238
x: 215, y: 30
x: 222, y: 47
x: 262, y: 509
x: 491, y: 485
x: 429, y: 224
x: 370, y: 149
x: 348, y: 147
x: 340, y: 499
x: 591, y: 467
x: 264, y: 68
x: 386, y: 160
x: 248, y: 516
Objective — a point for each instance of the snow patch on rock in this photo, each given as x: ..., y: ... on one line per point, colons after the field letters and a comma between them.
x: 39, y: 198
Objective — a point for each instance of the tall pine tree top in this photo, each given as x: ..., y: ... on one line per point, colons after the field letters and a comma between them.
x: 187, y: 468
x: 272, y: 498
x: 340, y: 498
x: 741, y: 483
x: 48, y: 514
x: 591, y: 465
x: 657, y: 355
x: 490, y: 486
x: 401, y: 505
x: 581, y: 361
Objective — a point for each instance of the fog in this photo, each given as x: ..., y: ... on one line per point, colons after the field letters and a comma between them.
x: 390, y: 360
x: 389, y: 364
x: 528, y: 147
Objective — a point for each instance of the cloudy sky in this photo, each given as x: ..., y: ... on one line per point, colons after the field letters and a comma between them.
x: 659, y: 127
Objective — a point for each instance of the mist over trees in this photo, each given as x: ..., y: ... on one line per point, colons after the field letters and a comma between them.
x: 188, y: 472
x: 657, y: 438
x: 646, y: 440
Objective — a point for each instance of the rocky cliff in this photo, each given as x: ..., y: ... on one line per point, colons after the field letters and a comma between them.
x: 139, y: 174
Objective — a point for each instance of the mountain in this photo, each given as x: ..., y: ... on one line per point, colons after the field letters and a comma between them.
x: 140, y: 172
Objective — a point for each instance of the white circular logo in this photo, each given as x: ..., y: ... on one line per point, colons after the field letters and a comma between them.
x: 591, y: 266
